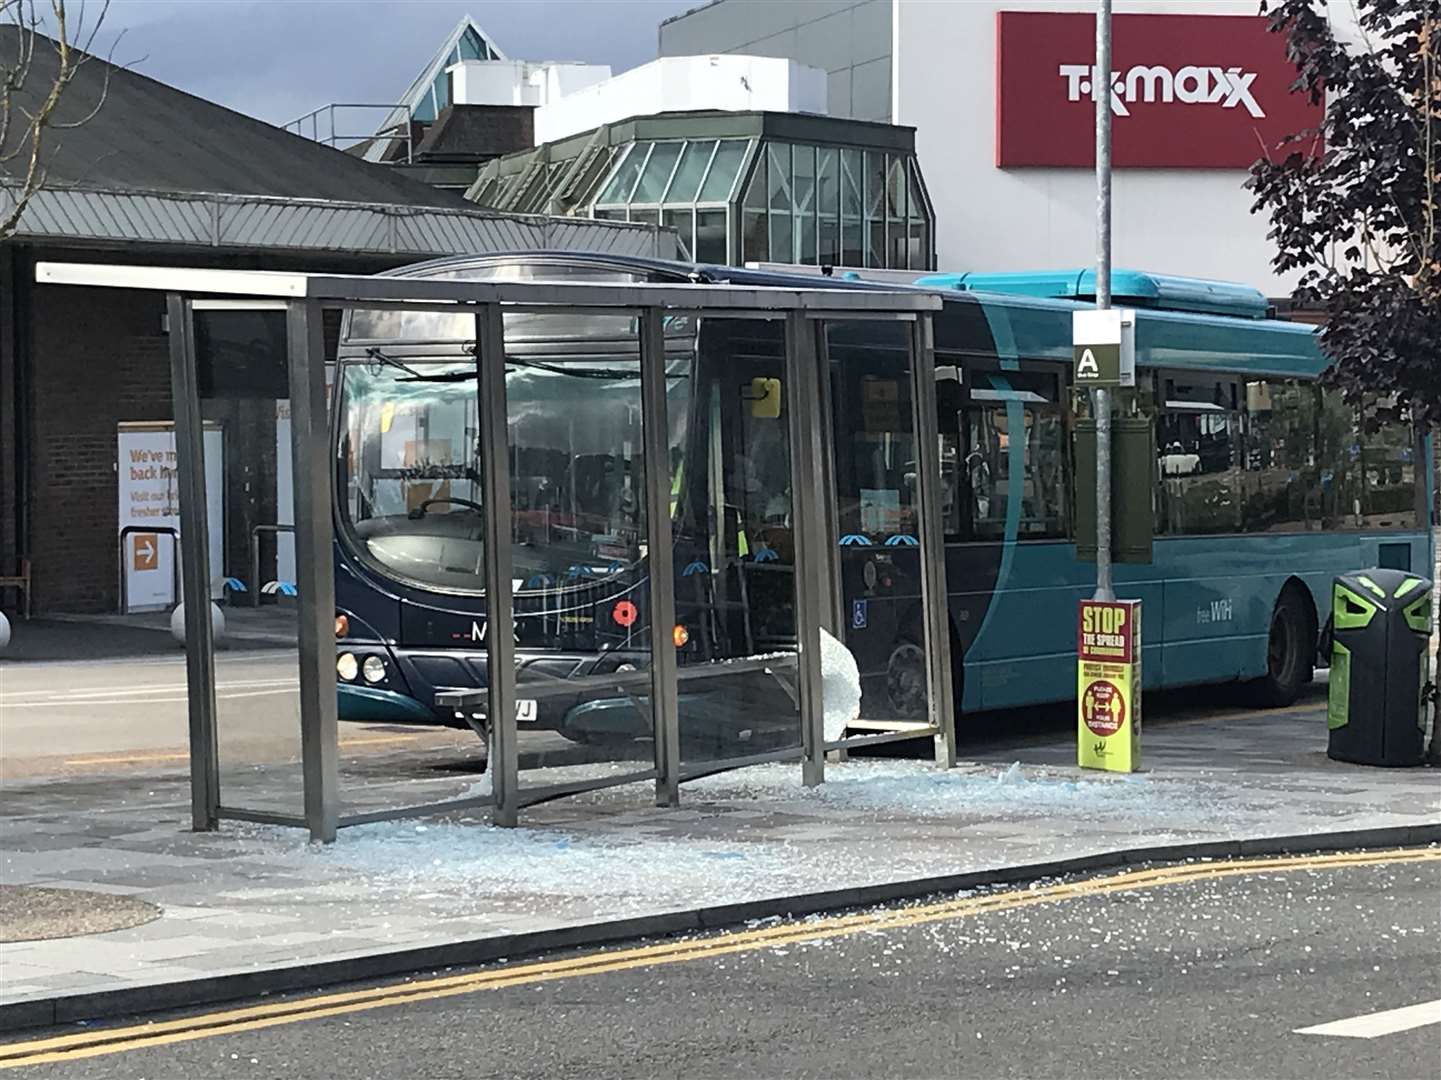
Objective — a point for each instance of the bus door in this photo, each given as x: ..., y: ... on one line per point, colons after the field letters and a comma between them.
x: 1006, y: 524
x: 877, y: 518
x: 734, y: 548
x: 735, y: 552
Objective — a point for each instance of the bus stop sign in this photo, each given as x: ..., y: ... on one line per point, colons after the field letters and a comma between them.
x: 1103, y: 346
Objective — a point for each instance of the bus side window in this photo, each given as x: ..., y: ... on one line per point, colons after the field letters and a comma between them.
x: 1280, y: 489
x: 950, y: 400
x: 1388, y: 474
x: 1198, y: 446
x: 1015, y: 414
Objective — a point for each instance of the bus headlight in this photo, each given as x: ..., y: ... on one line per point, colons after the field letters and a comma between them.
x: 373, y: 669
x: 347, y: 667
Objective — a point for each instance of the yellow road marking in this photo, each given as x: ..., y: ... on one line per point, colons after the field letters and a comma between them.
x: 123, y: 759
x: 253, y: 1018
x: 376, y: 740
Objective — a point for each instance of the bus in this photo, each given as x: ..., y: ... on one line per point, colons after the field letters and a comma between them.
x: 1265, y: 484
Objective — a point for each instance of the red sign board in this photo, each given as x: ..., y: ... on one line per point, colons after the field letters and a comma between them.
x: 1187, y: 91
x: 1107, y: 631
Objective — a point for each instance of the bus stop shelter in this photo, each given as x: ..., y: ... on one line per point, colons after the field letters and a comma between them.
x: 805, y: 314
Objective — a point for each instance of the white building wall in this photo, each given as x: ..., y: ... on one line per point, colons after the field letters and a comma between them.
x: 1195, y: 222
x: 519, y: 82
x: 731, y: 83
x: 850, y: 40
x: 939, y: 72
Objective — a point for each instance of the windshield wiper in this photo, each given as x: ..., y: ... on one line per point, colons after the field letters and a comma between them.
x: 390, y: 361
x: 469, y: 373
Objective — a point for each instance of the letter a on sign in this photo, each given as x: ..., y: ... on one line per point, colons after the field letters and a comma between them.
x: 1103, y: 345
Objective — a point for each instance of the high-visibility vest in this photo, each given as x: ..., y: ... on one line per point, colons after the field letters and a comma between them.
x: 743, y: 546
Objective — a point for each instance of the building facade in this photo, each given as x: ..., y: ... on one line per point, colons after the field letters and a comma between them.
x: 998, y: 93
x: 737, y: 187
x: 161, y: 177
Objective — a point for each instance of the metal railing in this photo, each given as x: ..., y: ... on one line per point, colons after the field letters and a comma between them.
x: 319, y: 125
x: 160, y: 530
x: 255, y: 556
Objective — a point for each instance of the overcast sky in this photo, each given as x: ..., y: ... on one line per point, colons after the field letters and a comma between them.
x: 278, y: 59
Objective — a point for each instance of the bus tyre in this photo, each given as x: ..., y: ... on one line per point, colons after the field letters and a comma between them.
x: 1289, y: 653
x: 906, y: 680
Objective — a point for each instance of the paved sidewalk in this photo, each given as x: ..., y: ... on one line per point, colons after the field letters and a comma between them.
x: 48, y: 639
x: 252, y: 899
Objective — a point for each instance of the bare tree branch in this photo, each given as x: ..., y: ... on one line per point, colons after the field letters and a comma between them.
x: 27, y: 111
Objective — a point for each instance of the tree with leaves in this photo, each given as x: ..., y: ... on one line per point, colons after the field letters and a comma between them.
x: 1355, y: 205
x: 28, y: 99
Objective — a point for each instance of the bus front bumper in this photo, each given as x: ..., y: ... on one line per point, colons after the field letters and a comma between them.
x: 368, y: 704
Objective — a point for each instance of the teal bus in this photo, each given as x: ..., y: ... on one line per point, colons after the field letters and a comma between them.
x: 1264, y: 484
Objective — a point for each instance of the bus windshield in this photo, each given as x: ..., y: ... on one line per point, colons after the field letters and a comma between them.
x: 410, y: 474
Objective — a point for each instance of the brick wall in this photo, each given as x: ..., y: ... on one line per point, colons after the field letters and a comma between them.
x: 98, y: 357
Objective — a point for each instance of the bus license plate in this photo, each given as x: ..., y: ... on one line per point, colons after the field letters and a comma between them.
x: 526, y: 711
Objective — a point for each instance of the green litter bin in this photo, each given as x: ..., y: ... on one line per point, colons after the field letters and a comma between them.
x: 1376, y: 711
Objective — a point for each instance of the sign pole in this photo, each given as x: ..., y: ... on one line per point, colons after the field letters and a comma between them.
x: 1108, y: 631
x: 1101, y: 396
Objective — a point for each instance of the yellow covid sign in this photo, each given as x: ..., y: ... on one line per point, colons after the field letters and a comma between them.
x: 1108, y: 685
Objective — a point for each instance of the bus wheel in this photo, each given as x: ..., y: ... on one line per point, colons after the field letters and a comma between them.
x: 906, y: 680
x: 1288, y: 653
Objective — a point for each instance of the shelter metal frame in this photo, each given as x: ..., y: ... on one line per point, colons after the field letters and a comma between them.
x: 306, y: 296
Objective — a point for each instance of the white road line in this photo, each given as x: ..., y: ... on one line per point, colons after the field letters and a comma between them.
x: 1375, y: 1024
x: 159, y: 699
x: 82, y: 695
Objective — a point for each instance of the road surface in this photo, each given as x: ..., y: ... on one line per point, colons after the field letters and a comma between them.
x: 1312, y: 966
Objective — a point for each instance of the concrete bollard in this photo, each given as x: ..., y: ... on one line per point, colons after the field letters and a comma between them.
x: 177, y: 623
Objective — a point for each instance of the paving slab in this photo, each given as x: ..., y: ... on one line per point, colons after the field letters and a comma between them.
x: 252, y: 900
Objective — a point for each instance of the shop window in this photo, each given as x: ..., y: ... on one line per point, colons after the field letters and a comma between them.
x: 755, y: 240
x: 626, y: 174
x: 719, y: 181
x: 827, y: 207
x: 710, y: 236
x: 852, y: 182
x: 876, y: 245
x: 875, y: 192
x: 683, y: 222
x: 919, y: 249
x: 803, y: 164
x: 656, y: 174
x: 689, y: 172
x: 778, y: 181
x: 828, y: 188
